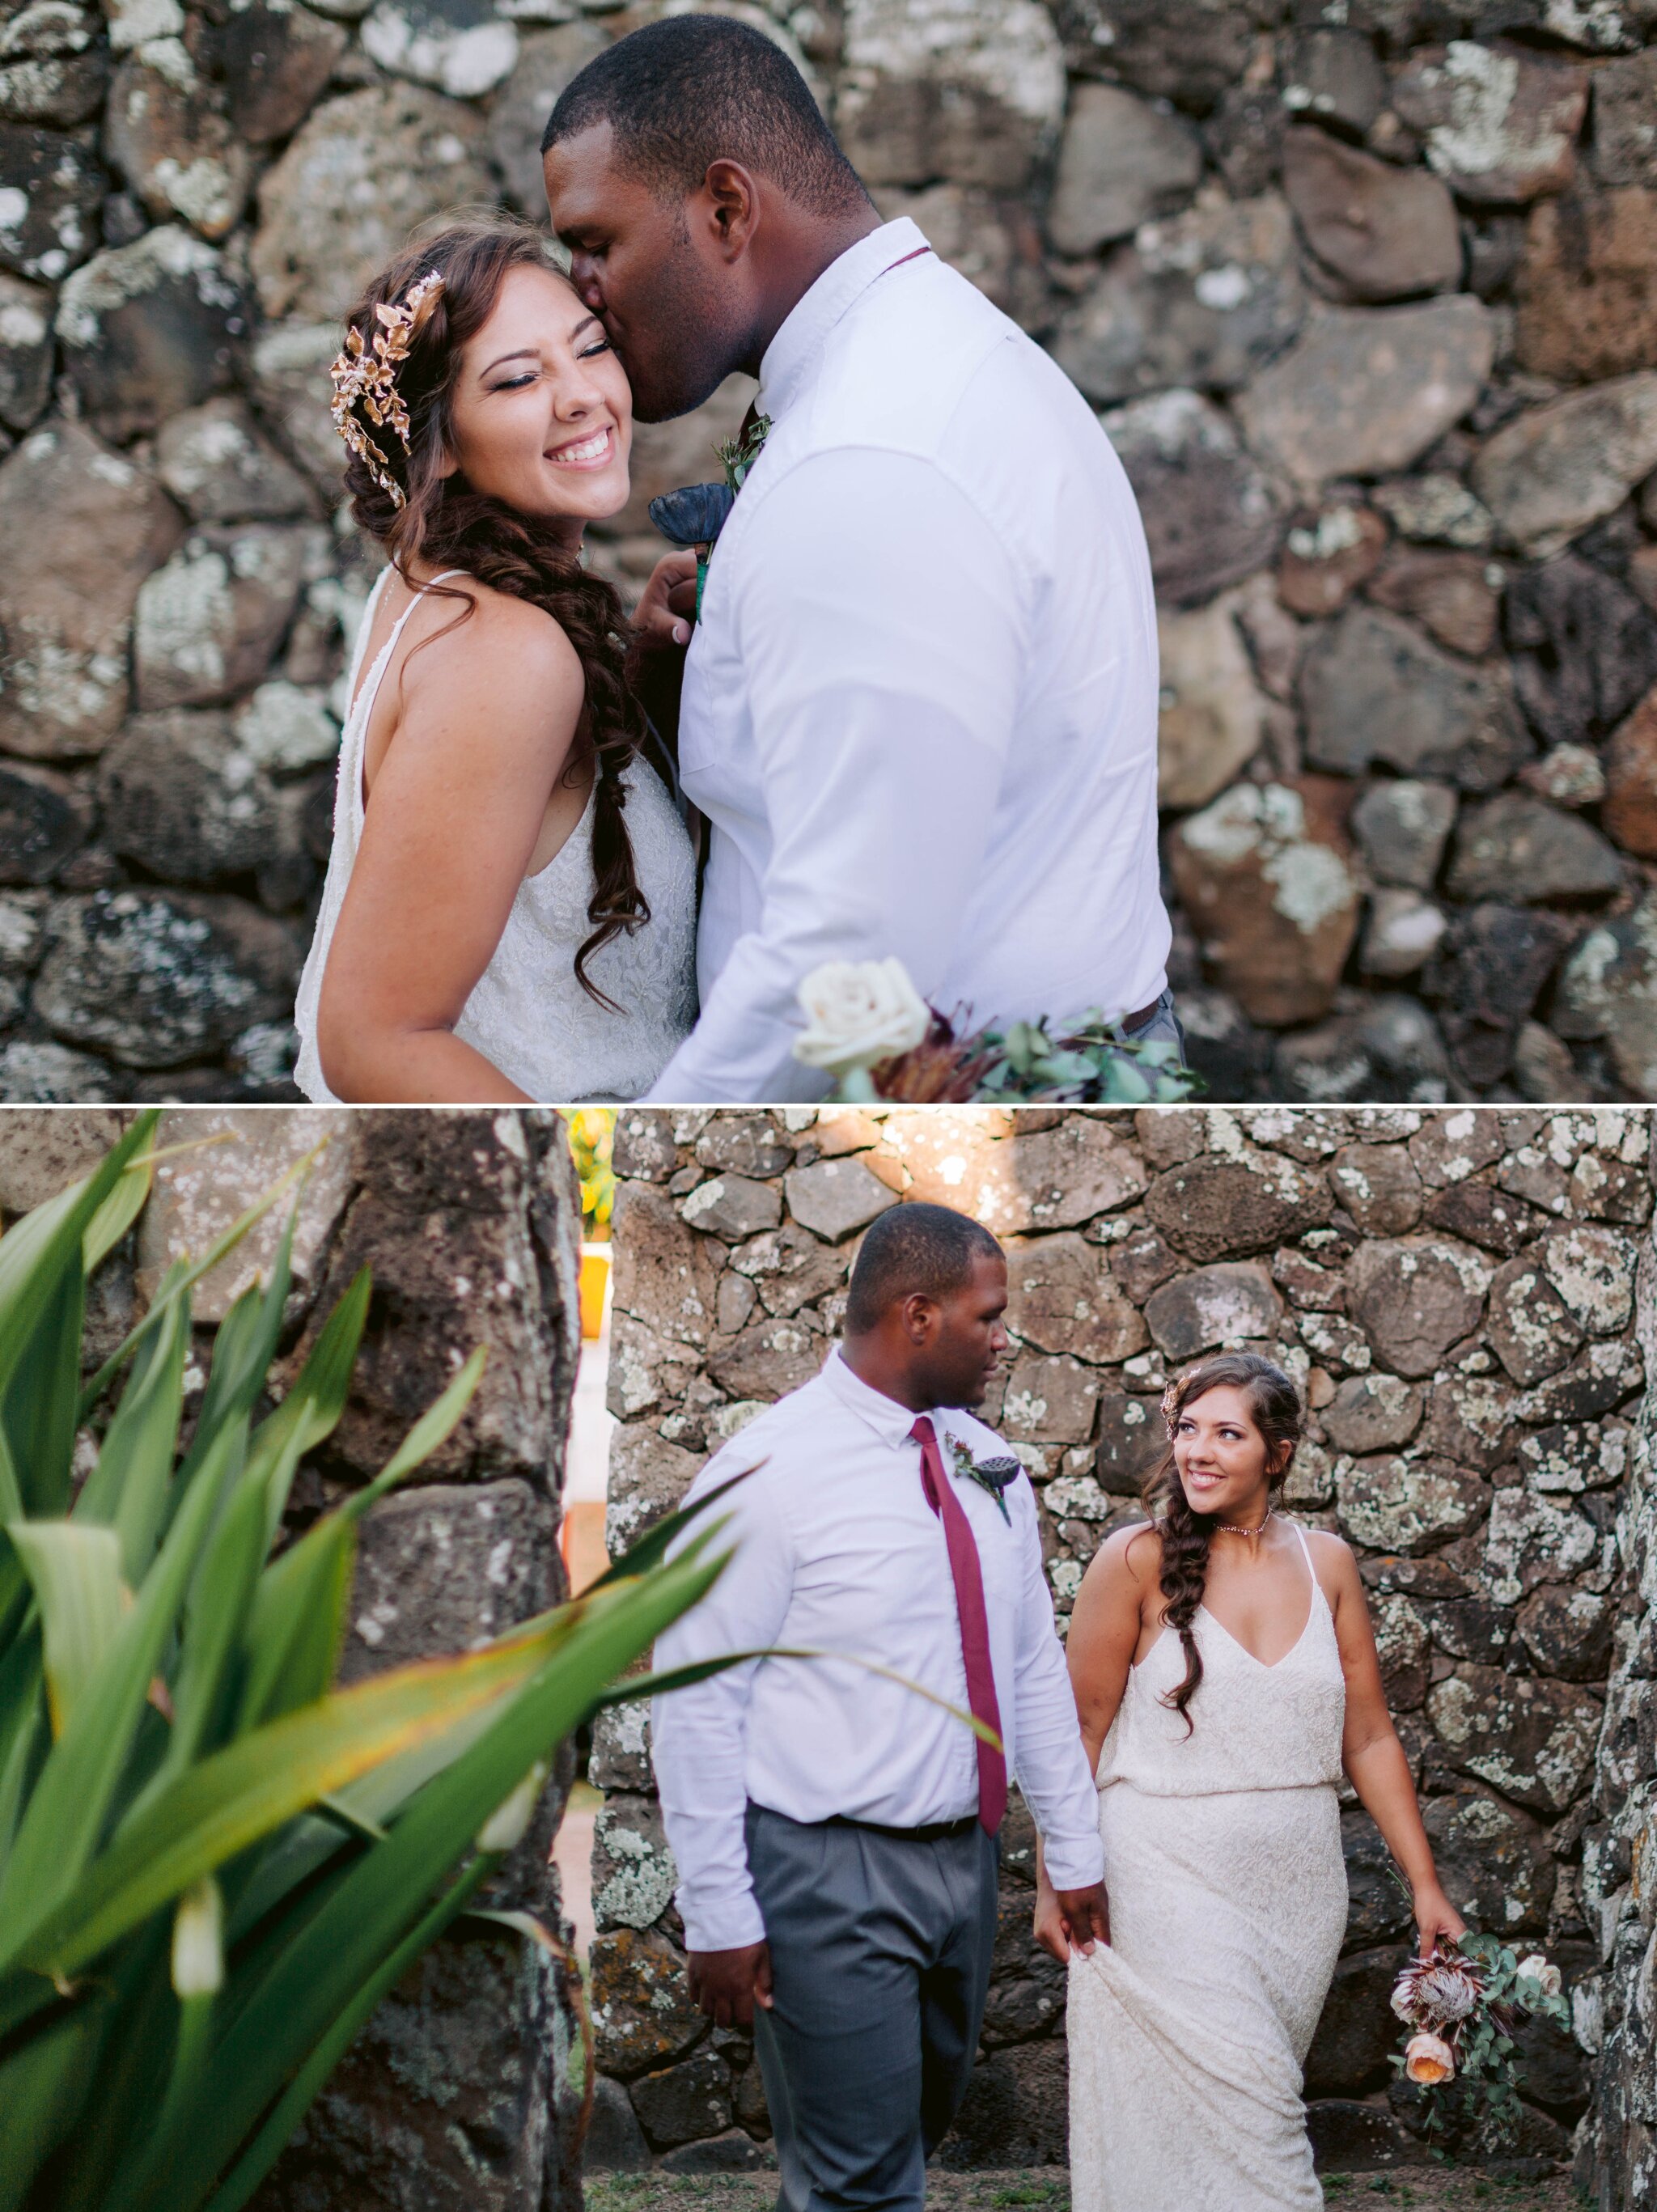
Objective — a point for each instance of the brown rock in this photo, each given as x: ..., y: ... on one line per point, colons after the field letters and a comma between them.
x: 1354, y: 2035
x: 149, y: 329
x: 1326, y: 556
x: 1585, y: 647
x: 1453, y: 1144
x: 1491, y: 1219
x: 1625, y: 120
x: 59, y: 89
x: 1121, y: 162
x: 1470, y: 1421
x: 977, y: 95
x: 1416, y: 1298
x: 1450, y: 593
x: 1061, y: 1297
x: 96, y: 524
x: 663, y: 1276
x: 1532, y: 1330
x: 1143, y: 1260
x: 1219, y: 1208
x: 1211, y: 1306
x: 207, y: 623
x: 1375, y: 690
x: 642, y: 2012
x: 1386, y: 233
x: 1629, y: 812
x: 1556, y: 468
x: 1265, y: 876
x: 1515, y: 843
x: 50, y: 191
x: 1379, y: 1187
x: 1568, y: 1632
x: 24, y: 351
x: 1131, y: 1439
x: 1212, y: 716
x: 1587, y: 286
x: 1495, y: 962
x: 1393, y: 1504
x: 1063, y: 1176
x: 1367, y: 390
x: 1570, y: 776
x: 167, y: 136
x: 1500, y: 121
x: 1494, y: 1863
x: 951, y: 1156
x: 277, y: 57
x: 1371, y: 1413
x: 1050, y: 1399
x: 1212, y: 513
x: 768, y: 1359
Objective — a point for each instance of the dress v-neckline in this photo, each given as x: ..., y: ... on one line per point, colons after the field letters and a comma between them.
x: 1267, y: 1666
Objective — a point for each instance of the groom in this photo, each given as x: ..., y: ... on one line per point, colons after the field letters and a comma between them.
x: 919, y: 708
x: 835, y: 1831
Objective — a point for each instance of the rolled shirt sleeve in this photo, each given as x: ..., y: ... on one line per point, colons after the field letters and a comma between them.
x: 697, y: 1735
x: 882, y: 631
x: 1053, y: 1767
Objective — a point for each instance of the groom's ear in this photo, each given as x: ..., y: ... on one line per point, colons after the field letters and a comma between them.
x: 730, y: 199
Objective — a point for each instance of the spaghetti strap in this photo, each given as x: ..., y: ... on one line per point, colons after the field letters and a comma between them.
x: 365, y: 698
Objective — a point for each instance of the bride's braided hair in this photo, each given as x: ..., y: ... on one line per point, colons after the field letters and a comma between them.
x: 444, y: 523
x: 1274, y: 1406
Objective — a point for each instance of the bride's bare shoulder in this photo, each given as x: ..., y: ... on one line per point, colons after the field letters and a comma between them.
x: 1133, y: 1555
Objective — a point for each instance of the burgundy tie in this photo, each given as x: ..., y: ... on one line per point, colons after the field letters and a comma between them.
x: 968, y: 1580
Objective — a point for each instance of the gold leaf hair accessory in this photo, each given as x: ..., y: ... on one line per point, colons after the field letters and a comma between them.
x: 1171, y: 1404
x: 367, y: 375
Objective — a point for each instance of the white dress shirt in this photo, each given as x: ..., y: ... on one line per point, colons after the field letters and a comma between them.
x: 838, y: 1551
x: 919, y: 708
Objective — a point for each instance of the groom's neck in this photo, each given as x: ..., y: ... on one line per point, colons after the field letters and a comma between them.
x: 794, y: 249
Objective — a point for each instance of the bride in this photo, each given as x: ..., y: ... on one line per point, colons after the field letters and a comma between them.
x: 509, y: 912
x: 1225, y: 1673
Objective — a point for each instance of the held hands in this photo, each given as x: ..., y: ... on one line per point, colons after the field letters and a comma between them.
x: 1071, y: 1920
x: 664, y: 614
x: 1436, y: 1917
x: 728, y: 1985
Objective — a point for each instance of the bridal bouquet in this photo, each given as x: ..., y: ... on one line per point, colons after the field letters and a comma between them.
x: 868, y: 1027
x: 1459, y: 2009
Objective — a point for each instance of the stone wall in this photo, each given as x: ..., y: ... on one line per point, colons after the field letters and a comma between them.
x: 456, y: 2097
x: 1364, y: 291
x: 1454, y: 1289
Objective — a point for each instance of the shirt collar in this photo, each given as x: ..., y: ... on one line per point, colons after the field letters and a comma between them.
x: 798, y: 345
x: 890, y: 1422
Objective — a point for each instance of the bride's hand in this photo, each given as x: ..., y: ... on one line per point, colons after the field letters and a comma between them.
x: 668, y: 600
x: 1436, y: 1917
x: 1051, y: 1932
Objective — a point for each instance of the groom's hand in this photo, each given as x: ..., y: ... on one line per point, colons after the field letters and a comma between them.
x: 667, y: 606
x: 1087, y: 1917
x: 728, y: 1985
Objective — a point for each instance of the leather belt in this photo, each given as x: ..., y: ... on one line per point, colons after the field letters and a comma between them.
x: 930, y: 1832
x: 1132, y: 1022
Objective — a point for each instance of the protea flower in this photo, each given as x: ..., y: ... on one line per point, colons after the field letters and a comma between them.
x: 694, y: 516
x: 1428, y: 2059
x: 1438, y: 1992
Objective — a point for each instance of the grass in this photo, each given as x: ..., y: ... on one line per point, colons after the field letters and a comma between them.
x: 1417, y: 2189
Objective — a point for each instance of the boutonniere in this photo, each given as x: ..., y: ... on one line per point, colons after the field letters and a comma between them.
x: 695, y: 515
x: 995, y: 1475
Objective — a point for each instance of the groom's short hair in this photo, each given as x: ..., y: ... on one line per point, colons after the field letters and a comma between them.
x: 684, y: 92
x: 910, y: 1248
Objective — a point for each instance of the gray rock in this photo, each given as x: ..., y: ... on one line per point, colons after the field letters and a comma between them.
x: 1495, y: 962
x: 149, y: 329
x: 24, y: 351
x: 60, y: 90
x: 1598, y: 1378
x: 1625, y: 120
x: 614, y: 2142
x: 1332, y: 73
x: 736, y: 1143
x: 354, y: 180
x: 1189, y: 58
x: 1058, y: 1178
x: 218, y: 466
x: 547, y: 60
x: 731, y: 2153
x: 1593, y: 1271
x: 768, y: 1359
x: 1386, y: 233
x: 1394, y: 1505
x: 50, y: 191
x: 277, y: 57
x: 790, y: 1268
x: 155, y: 980
x: 1586, y: 647
x: 1375, y: 1908
x: 285, y: 730
x: 166, y: 134
x: 1532, y: 1329
x: 461, y: 47
x: 287, y: 372
x: 207, y: 623
x: 1499, y: 123
x: 733, y: 1207
x: 1495, y: 1865
x: 974, y: 93
x: 1212, y: 514
x: 1371, y: 1413
x: 663, y: 1276
x: 1050, y: 1401
x: 1532, y: 1739
x: 44, y: 818
x: 1403, y: 933
x: 1469, y: 1420
x: 1415, y: 1297
x: 1534, y: 1539
x: 1131, y: 1439
x: 1435, y: 509
x: 634, y: 1874
x: 1608, y: 988
x: 1402, y: 828
x: 1200, y: 299
x: 1367, y: 390
x: 1375, y: 690
x: 1573, y: 1456
x: 1061, y: 1297
x: 834, y: 1197
x: 96, y: 525
x: 1378, y: 1186
x: 1513, y: 842
x: 182, y: 797
x: 443, y: 1567
x: 1121, y: 162
x: 643, y: 1147
x: 1556, y: 468
x: 1216, y: 1305
x: 1568, y: 1633
x: 49, y: 1074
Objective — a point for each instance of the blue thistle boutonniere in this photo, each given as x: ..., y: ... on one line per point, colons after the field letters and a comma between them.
x: 695, y: 515
x: 995, y: 1475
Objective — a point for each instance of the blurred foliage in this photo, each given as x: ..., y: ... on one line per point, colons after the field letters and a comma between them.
x: 591, y: 1135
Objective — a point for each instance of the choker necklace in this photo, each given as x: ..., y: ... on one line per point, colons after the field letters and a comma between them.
x: 1229, y: 1530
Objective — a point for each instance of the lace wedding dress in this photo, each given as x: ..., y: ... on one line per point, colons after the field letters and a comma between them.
x: 1228, y: 1904
x: 527, y: 1013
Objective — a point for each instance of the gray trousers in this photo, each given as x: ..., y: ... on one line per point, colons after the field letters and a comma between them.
x: 1164, y: 1027
x: 880, y: 1962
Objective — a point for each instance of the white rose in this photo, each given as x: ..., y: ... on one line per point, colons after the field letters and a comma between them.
x: 1536, y: 1969
x: 859, y: 1013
